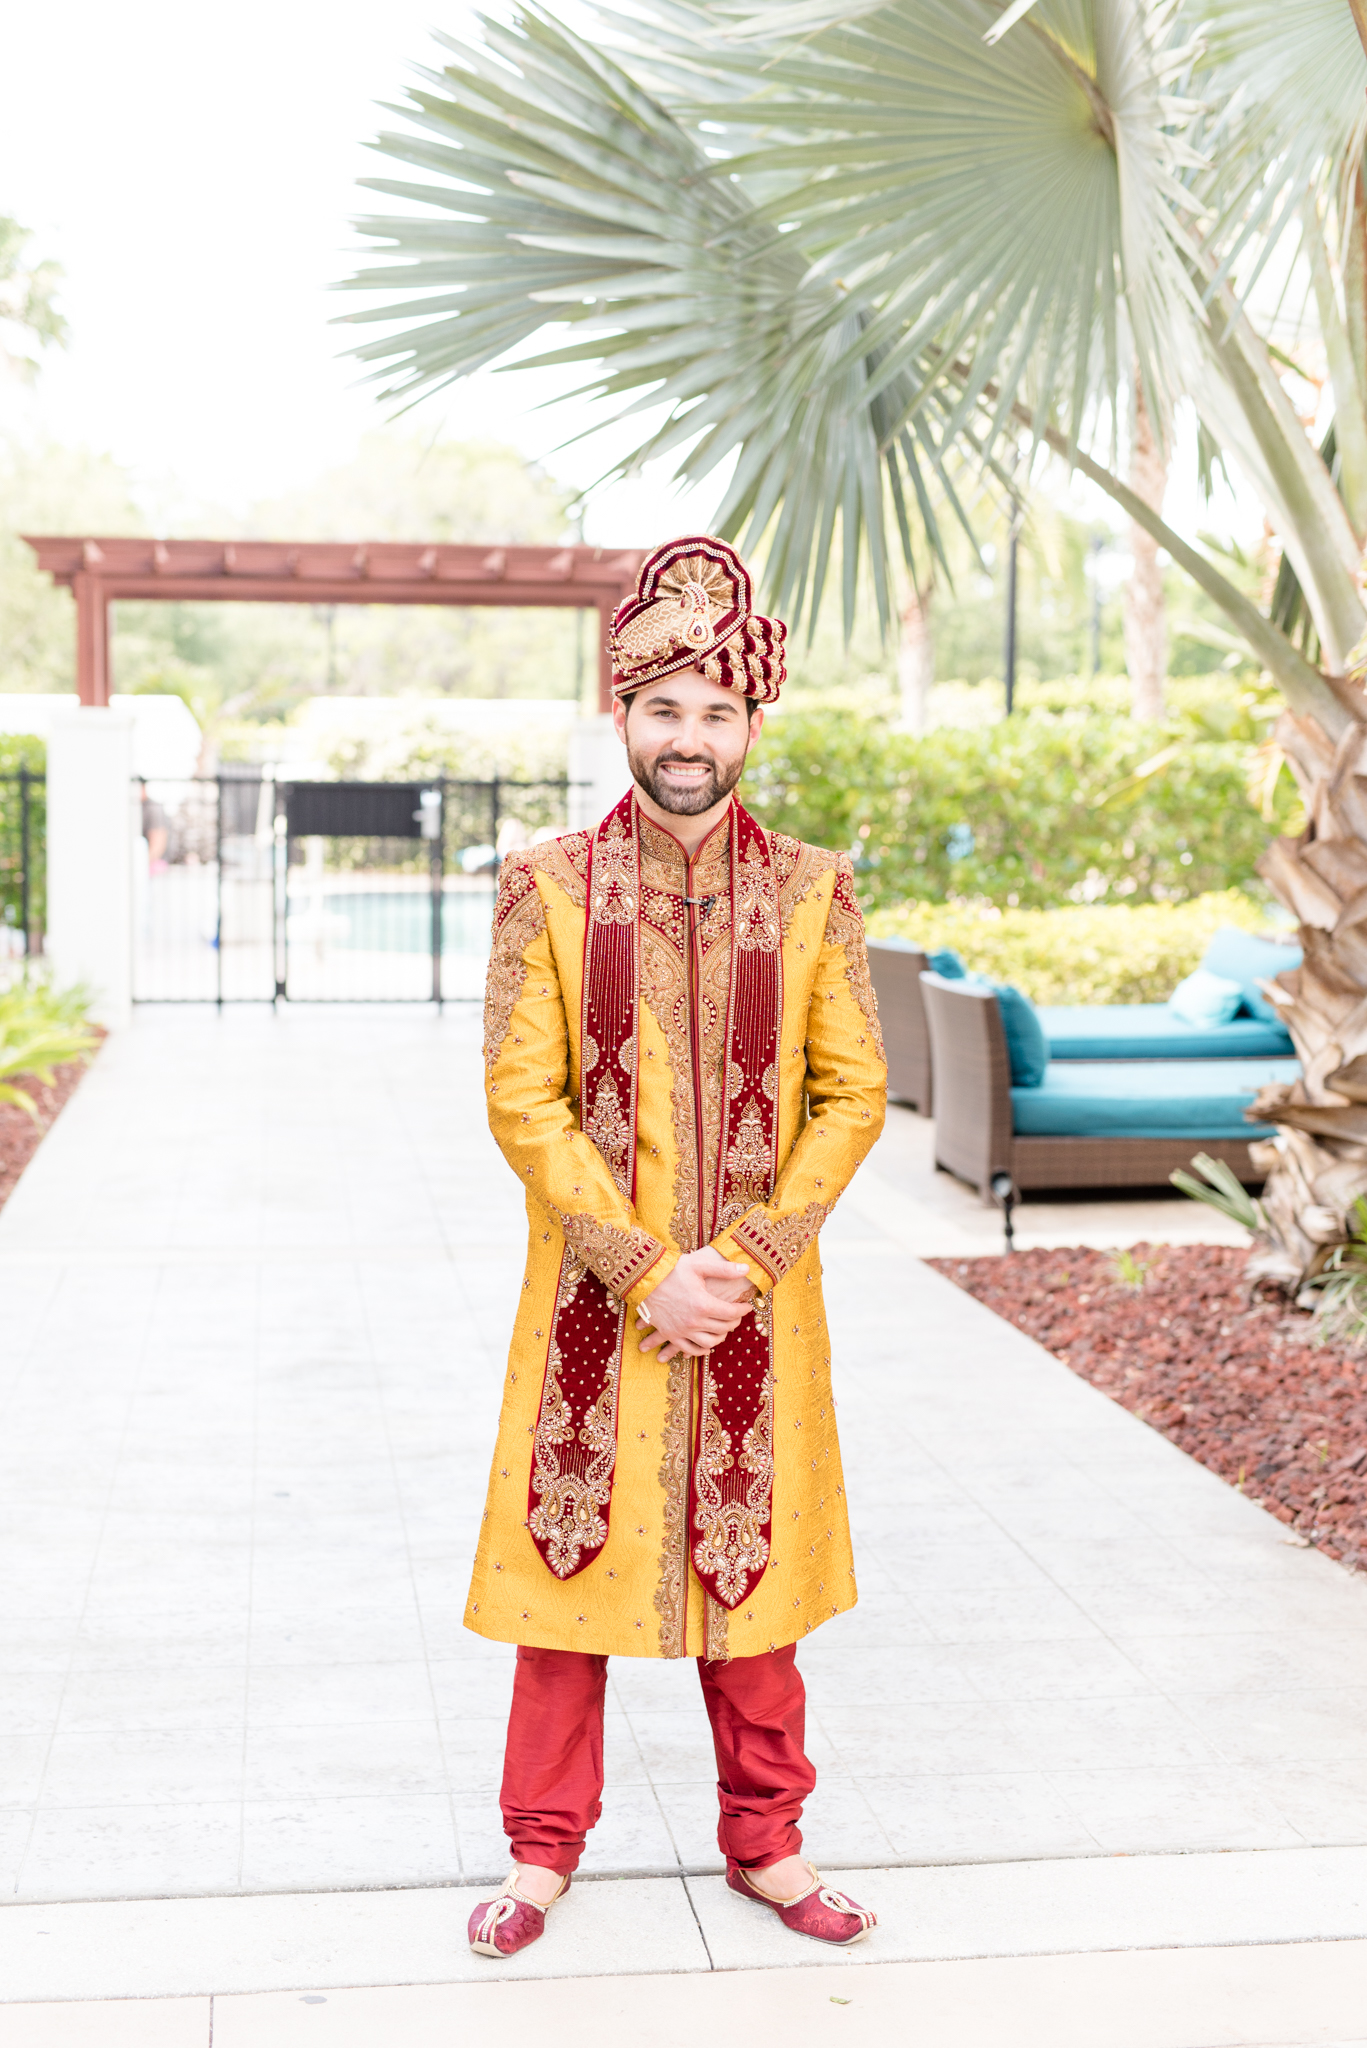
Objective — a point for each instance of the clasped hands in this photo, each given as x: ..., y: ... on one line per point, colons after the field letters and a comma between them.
x: 700, y: 1302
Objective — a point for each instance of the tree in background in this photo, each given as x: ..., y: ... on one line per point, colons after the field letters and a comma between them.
x: 28, y: 310
x: 860, y: 250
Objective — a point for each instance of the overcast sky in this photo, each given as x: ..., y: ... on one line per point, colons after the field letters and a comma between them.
x: 194, y: 171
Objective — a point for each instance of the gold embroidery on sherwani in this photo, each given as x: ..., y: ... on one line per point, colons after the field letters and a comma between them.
x: 779, y: 1242
x: 519, y: 918
x: 618, y: 1257
x: 718, y: 1617
x: 845, y: 927
x: 566, y: 862
x: 671, y: 1594
x: 568, y: 1515
x: 797, y: 866
x: 664, y: 991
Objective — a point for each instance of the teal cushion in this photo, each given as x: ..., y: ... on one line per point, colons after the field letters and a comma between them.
x: 1027, y: 1048
x: 1242, y: 957
x: 1204, y: 998
x: 1147, y: 1099
x: 1149, y: 1031
x: 947, y: 962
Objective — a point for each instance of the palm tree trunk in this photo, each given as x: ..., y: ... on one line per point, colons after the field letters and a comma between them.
x: 1146, y: 623
x: 1317, y: 1164
x: 916, y: 660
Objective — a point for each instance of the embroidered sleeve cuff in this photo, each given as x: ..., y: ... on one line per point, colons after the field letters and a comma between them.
x: 770, y: 1245
x: 620, y: 1258
x: 660, y: 1269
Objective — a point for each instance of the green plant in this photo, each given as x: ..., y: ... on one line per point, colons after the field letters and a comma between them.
x: 1222, y: 1189
x: 1044, y: 808
x: 1128, y: 1271
x: 41, y: 1028
x: 1341, y: 1310
x: 1114, y: 953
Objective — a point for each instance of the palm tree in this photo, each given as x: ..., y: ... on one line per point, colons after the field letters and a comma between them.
x: 860, y: 251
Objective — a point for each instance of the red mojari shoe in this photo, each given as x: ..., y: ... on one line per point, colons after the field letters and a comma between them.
x: 819, y: 1912
x: 512, y: 1921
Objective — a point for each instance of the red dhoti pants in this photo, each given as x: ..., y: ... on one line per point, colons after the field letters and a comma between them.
x: 553, y: 1765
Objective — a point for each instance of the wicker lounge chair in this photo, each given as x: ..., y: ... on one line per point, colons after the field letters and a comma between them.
x: 975, y: 1117
x: 896, y: 968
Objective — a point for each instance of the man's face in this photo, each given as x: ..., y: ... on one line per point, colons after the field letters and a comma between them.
x: 686, y: 740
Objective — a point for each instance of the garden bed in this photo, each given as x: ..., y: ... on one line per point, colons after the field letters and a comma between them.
x: 20, y: 1136
x: 1238, y: 1382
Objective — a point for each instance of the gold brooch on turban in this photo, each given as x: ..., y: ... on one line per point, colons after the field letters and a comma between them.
x: 693, y: 606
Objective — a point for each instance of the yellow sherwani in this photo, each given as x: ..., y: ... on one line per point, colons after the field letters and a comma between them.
x: 640, y: 1596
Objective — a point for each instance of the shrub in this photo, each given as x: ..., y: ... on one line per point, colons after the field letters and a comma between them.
x: 40, y: 1029
x: 1115, y: 953
x: 20, y: 751
x: 1040, y: 809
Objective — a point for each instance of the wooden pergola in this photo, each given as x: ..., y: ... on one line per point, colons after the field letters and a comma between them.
x: 99, y: 572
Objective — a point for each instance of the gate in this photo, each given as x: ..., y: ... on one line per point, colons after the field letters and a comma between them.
x: 23, y: 815
x: 252, y: 887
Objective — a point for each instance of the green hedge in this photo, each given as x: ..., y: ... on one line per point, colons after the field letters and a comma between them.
x: 1117, y: 953
x: 20, y: 751
x: 1036, y: 810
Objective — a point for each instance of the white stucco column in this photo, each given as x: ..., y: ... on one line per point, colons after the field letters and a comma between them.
x: 92, y: 836
x: 598, y: 760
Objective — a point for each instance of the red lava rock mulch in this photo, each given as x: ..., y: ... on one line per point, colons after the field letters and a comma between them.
x: 20, y: 1136
x: 1237, y: 1382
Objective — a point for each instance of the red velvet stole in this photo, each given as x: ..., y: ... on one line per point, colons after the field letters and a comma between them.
x: 575, y: 1445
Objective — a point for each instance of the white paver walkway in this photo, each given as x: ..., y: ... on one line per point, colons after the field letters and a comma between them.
x: 255, y: 1292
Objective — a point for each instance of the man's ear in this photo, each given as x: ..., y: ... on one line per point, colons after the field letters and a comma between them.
x: 619, y: 719
x: 756, y: 721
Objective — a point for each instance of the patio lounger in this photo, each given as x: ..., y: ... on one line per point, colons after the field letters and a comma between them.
x: 896, y: 967
x: 1114, y: 1124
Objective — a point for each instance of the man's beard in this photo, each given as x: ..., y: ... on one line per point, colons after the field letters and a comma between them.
x: 684, y: 803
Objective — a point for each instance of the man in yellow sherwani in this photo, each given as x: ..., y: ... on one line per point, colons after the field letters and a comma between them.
x: 684, y: 1071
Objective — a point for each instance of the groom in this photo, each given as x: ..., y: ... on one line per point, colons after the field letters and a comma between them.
x: 684, y: 1071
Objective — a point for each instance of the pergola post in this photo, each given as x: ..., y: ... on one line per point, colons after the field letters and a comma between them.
x: 92, y: 637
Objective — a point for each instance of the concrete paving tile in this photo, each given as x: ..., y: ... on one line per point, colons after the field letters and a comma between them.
x: 881, y: 1675
x: 387, y: 1838
x: 111, y: 2023
x: 953, y: 1816
x: 1073, y: 1669
x: 29, y: 1701
x: 1062, y: 1734
x: 1304, y: 1726
x: 1267, y: 1662
x: 360, y: 1759
x: 285, y: 1695
x: 952, y: 1735
x: 173, y: 1848
x: 991, y: 1614
x: 1157, y: 1811
x: 632, y: 1835
x: 1323, y: 1802
x: 1154, y: 1999
x: 140, y: 1766
x: 188, y: 1696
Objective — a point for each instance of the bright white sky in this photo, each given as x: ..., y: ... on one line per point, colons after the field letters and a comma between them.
x: 194, y: 171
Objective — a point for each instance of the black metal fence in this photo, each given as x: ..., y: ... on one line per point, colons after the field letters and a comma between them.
x: 23, y: 866
x: 256, y: 888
